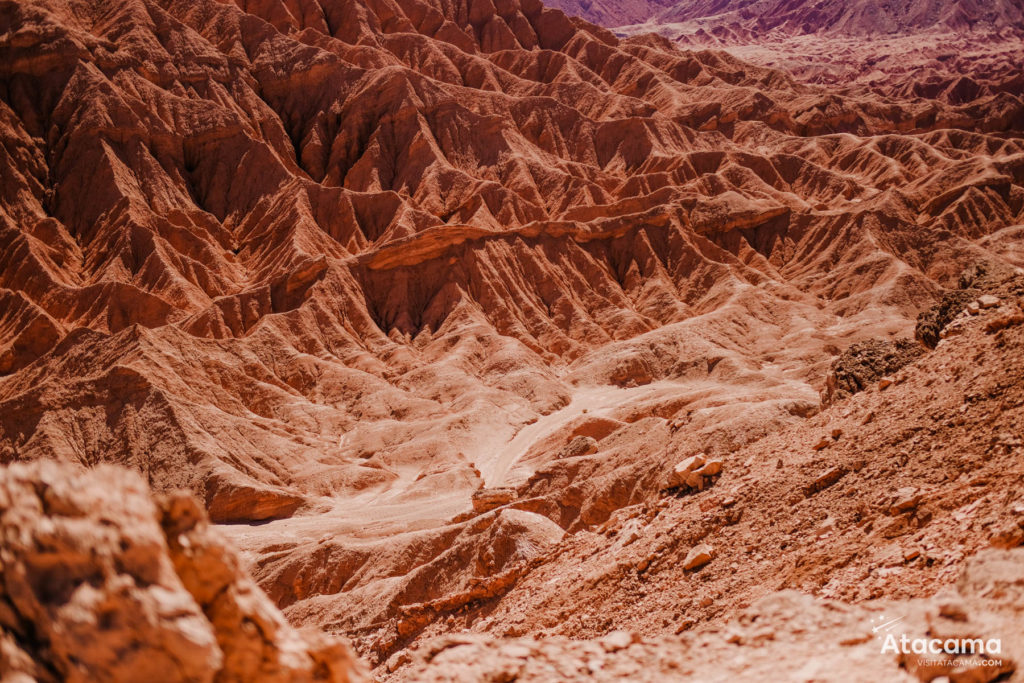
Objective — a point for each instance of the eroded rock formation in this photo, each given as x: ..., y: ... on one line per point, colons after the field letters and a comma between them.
x: 99, y: 582
x: 349, y: 268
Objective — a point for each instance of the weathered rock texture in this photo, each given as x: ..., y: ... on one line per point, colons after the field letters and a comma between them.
x: 784, y: 636
x: 100, y: 583
x: 865, y: 363
x: 931, y: 322
x: 338, y: 266
x: 922, y: 477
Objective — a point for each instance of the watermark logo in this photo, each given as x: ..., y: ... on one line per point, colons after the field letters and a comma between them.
x: 886, y: 630
x: 883, y: 624
x: 934, y: 653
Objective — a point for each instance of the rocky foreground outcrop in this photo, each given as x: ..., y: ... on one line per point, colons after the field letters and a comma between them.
x: 100, y: 582
x: 786, y: 636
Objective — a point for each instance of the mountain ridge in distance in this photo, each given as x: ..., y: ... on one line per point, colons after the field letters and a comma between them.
x: 862, y: 18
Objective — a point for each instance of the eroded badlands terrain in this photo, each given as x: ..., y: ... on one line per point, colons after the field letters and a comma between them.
x: 473, y: 317
x: 950, y: 50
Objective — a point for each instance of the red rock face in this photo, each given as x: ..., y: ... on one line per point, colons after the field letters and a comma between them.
x: 101, y: 582
x: 338, y: 266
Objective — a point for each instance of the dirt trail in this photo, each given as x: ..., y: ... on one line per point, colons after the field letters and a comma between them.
x: 500, y: 470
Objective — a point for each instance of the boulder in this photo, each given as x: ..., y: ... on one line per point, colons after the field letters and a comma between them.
x: 232, y: 499
x: 516, y: 536
x: 710, y: 469
x: 681, y: 472
x: 100, y: 582
x: 695, y: 481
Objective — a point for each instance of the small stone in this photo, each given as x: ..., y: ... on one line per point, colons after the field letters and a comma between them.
x: 836, y: 433
x: 988, y: 301
x: 728, y: 502
x: 706, y: 601
x: 826, y: 479
x: 698, y: 557
x: 826, y: 528
x: 907, y: 498
x: 885, y: 382
x: 973, y: 308
x: 911, y: 554
x: 630, y: 532
x: 398, y: 660
x: 684, y: 625
x: 616, y: 640
x: 869, y: 418
x: 1008, y: 439
x: 824, y: 442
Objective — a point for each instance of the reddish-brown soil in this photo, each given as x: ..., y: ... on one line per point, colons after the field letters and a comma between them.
x: 425, y: 301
